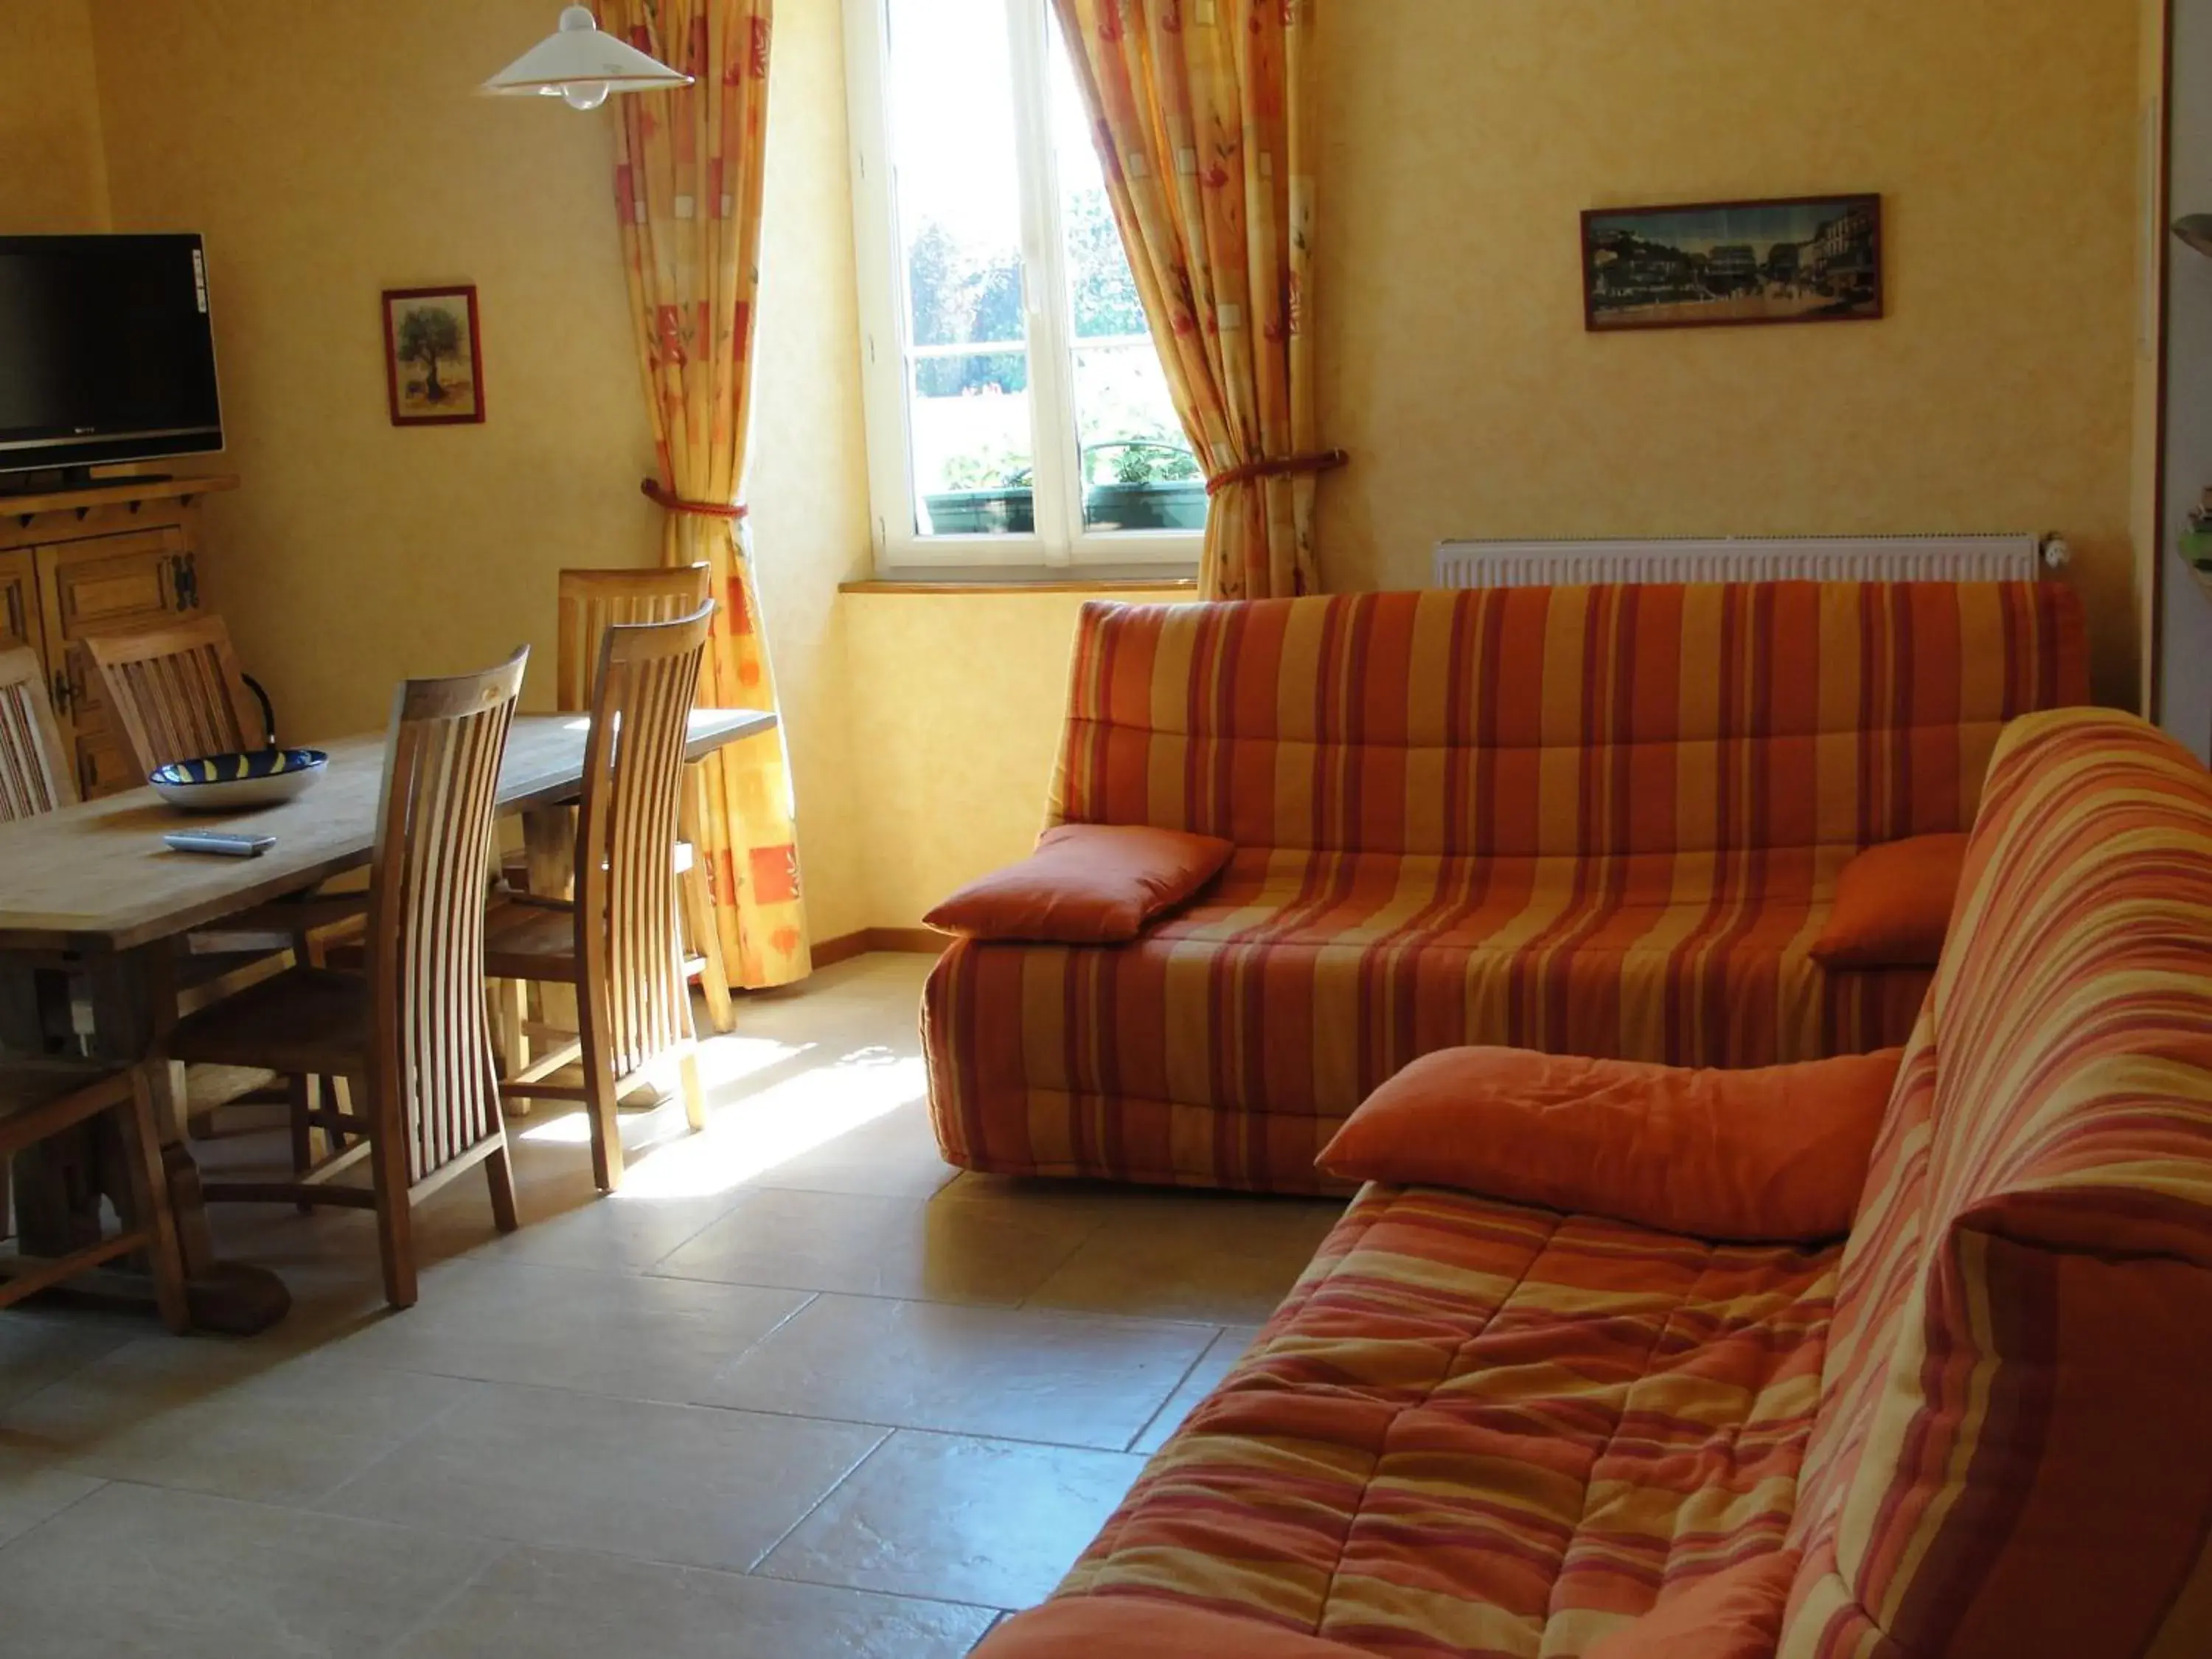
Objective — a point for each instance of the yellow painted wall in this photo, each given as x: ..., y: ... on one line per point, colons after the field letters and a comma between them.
x: 956, y: 707
x: 1463, y: 139
x: 327, y: 154
x: 53, y: 176
x: 2153, y: 246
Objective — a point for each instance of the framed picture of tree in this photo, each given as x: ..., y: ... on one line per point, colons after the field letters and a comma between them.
x: 433, y: 360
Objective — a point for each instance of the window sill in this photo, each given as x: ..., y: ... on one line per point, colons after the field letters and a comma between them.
x: 1169, y: 580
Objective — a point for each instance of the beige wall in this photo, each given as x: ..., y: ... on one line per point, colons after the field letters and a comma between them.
x: 1463, y: 138
x: 53, y: 177
x: 957, y: 710
x: 326, y: 155
x: 2147, y: 419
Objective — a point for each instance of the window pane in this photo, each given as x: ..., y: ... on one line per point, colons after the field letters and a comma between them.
x: 1138, y: 472
x: 958, y: 192
x: 973, y: 455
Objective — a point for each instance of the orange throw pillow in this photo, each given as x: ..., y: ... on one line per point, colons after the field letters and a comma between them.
x: 1759, y: 1156
x: 1736, y: 1614
x: 1124, y: 1627
x: 1086, y: 884
x: 1893, y: 905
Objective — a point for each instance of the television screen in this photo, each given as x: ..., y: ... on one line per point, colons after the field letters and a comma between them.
x: 105, y: 351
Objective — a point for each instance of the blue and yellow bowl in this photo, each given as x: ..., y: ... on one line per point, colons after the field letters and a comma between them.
x: 225, y: 783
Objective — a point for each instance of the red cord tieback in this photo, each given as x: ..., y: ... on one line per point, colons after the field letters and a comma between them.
x: 1327, y: 460
x: 652, y: 490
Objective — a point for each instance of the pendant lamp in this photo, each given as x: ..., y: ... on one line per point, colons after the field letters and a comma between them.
x: 583, y: 64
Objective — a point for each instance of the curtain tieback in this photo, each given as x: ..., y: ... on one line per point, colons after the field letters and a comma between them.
x: 659, y: 495
x: 1325, y: 460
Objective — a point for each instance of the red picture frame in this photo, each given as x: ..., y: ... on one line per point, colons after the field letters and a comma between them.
x: 438, y: 330
x: 1644, y: 268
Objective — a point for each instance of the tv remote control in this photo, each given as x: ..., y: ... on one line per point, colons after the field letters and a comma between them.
x: 218, y: 843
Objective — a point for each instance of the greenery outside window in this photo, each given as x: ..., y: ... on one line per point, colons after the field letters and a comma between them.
x: 1017, y: 415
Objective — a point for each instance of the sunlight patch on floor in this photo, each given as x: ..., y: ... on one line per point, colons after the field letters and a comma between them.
x: 746, y: 1139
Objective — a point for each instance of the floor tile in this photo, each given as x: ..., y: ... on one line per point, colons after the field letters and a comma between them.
x: 638, y: 1338
x: 1160, y: 1270
x: 665, y: 1483
x: 36, y: 1351
x: 893, y: 1156
x: 557, y: 1605
x: 1228, y: 1349
x: 32, y: 1492
x: 1061, y: 1378
x: 220, y: 1418
x: 865, y: 1246
x: 137, y: 1572
x: 976, y: 1521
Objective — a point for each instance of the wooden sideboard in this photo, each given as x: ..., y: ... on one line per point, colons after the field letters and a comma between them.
x: 123, y: 555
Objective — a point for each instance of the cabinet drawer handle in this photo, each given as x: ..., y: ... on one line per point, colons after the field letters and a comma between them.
x: 16, y: 628
x: 62, y: 691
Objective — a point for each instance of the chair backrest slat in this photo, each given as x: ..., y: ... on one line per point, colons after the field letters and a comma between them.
x: 432, y: 1067
x: 626, y: 899
x: 176, y: 693
x: 592, y: 601
x: 34, y: 776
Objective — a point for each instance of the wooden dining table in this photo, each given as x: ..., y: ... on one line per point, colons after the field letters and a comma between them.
x: 92, y: 891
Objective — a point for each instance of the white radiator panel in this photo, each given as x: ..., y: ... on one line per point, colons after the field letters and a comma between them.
x: 1788, y: 558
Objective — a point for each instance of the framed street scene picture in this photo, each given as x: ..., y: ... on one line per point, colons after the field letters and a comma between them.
x: 1804, y: 259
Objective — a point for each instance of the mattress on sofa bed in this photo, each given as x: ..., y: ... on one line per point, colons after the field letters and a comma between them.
x: 1481, y: 1429
x: 1224, y: 1046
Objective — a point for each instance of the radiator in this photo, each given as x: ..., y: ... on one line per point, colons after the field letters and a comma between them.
x: 1749, y: 559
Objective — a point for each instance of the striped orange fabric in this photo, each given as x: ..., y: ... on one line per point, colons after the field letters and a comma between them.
x: 1480, y: 1429
x: 2015, y: 1451
x: 1595, y: 821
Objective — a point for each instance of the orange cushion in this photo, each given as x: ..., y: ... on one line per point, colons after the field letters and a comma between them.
x: 1115, y: 1626
x: 1893, y: 905
x: 1771, y: 1154
x: 1736, y: 1614
x: 1086, y: 884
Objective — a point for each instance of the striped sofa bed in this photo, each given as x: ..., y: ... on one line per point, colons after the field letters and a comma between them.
x: 1977, y: 1430
x: 1594, y: 821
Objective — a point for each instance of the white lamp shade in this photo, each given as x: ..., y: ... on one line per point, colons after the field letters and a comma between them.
x: 582, y: 63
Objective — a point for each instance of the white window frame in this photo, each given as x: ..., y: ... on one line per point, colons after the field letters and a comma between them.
x: 1061, y: 542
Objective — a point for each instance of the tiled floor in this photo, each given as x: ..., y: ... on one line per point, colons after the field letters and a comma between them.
x: 796, y: 1391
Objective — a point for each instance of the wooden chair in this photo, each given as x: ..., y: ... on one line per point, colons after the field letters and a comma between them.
x: 34, y: 777
x: 40, y: 1098
x: 589, y: 603
x: 617, y: 943
x: 177, y: 693
x: 412, y: 1031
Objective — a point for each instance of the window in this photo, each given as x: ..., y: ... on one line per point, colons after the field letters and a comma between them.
x: 1018, y: 414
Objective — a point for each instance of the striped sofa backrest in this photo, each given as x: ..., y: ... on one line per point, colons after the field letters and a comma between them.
x: 1562, y: 721
x: 2013, y: 1453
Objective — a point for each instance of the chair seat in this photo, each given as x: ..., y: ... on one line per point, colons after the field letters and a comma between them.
x: 29, y: 1081
x: 530, y: 940
x: 305, y: 1020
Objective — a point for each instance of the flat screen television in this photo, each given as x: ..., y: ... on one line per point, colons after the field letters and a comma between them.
x: 106, y: 353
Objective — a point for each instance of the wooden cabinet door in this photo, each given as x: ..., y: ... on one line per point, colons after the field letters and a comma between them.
x: 19, y: 600
x: 106, y: 585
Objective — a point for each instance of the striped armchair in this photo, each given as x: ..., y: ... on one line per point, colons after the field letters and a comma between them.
x: 1593, y: 821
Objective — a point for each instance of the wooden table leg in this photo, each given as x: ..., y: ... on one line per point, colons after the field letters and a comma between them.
x: 134, y: 1004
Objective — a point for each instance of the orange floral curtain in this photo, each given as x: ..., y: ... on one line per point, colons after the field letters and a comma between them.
x: 1204, y: 130
x: 687, y: 191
